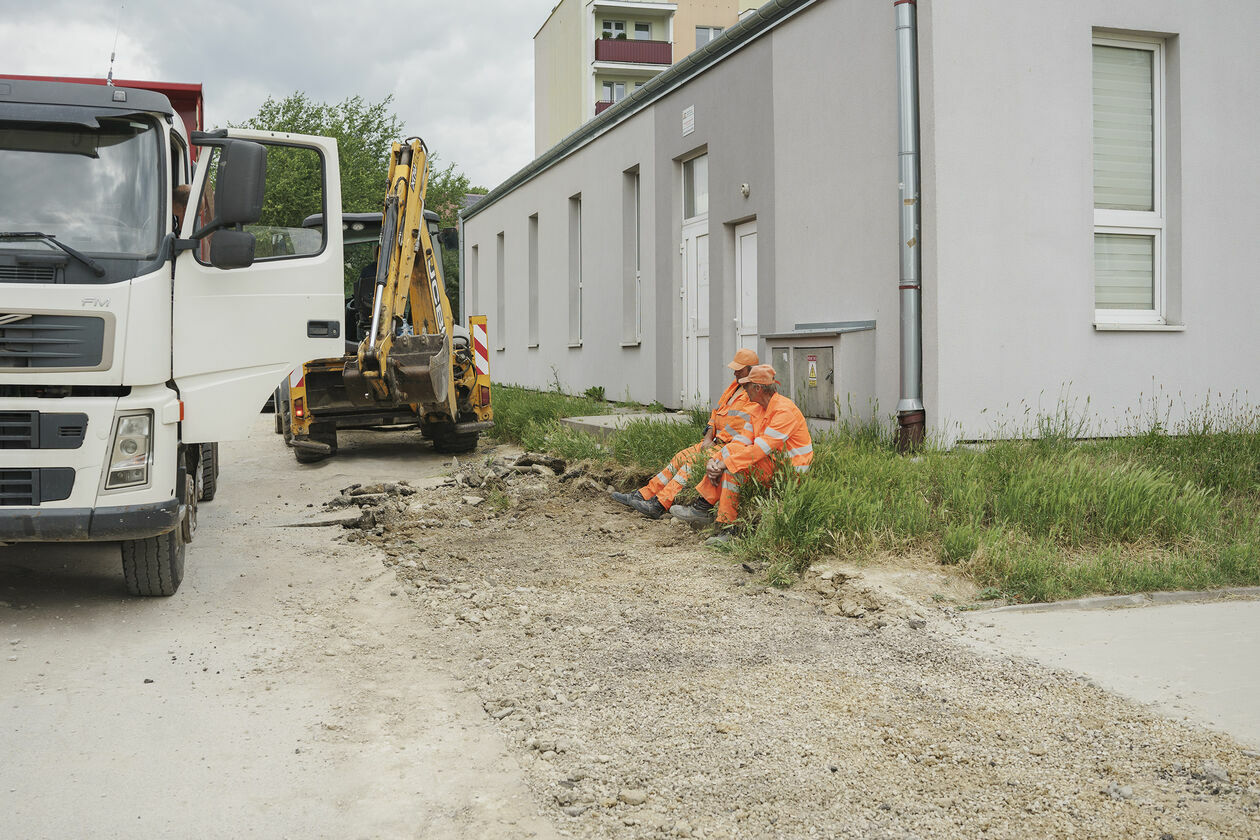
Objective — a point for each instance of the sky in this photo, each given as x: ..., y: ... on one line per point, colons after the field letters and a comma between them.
x: 461, y: 71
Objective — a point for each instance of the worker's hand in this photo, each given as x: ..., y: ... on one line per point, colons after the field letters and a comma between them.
x: 714, y: 469
x: 707, y: 441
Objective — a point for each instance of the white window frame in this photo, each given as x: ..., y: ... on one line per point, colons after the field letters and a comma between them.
x: 609, y: 91
x: 647, y: 36
x: 711, y: 32
x: 1140, y: 222
x: 609, y: 25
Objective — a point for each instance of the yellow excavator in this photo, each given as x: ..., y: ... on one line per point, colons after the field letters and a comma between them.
x: 413, y: 364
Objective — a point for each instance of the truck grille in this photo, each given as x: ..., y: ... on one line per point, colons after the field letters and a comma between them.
x: 50, y: 341
x: 28, y: 274
x: 36, y: 430
x: 31, y: 487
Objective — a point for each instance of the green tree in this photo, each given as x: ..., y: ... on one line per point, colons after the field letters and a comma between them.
x: 364, y: 132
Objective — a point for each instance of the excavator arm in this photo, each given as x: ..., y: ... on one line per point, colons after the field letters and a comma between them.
x: 407, y: 356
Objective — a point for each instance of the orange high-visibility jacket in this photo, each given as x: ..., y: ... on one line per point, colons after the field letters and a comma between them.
x: 732, y: 418
x: 780, y: 428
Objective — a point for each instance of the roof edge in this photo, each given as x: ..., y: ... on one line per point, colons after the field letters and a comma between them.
x: 754, y: 26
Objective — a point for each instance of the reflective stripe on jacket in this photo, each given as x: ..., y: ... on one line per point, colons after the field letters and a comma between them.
x: 780, y: 428
x: 732, y: 419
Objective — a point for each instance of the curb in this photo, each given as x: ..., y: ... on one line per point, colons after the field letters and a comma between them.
x: 1141, y: 600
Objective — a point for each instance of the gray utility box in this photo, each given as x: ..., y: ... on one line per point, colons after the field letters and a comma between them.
x: 818, y: 363
x: 808, y: 375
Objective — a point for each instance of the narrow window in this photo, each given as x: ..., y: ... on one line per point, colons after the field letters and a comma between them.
x: 1128, y: 181
x: 500, y: 287
x: 643, y: 31
x: 575, y: 270
x: 470, y: 287
x: 533, y: 280
x: 696, y: 187
x: 631, y: 260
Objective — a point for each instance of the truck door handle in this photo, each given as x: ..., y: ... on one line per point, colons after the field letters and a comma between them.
x: 323, y: 329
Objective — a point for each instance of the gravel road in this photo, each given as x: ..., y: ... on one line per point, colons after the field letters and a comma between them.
x: 516, y: 656
x: 653, y: 688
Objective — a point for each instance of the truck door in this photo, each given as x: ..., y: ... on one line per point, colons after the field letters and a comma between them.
x: 237, y: 333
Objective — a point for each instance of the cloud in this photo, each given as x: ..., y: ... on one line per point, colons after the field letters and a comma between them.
x: 461, y: 73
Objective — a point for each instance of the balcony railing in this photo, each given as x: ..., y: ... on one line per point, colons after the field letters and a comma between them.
x: 602, y: 105
x: 633, y: 52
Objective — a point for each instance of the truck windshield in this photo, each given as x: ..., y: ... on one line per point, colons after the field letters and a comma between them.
x: 96, y: 190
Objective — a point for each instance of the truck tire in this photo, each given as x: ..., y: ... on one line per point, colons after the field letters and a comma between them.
x: 279, y: 413
x: 450, y: 443
x: 154, y: 566
x: 321, y: 433
x: 209, y: 483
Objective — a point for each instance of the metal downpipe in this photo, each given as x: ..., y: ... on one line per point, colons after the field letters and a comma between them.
x: 910, y: 414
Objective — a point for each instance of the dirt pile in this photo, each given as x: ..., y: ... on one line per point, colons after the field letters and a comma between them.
x: 653, y: 688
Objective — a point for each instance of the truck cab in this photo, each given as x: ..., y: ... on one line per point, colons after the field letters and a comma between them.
x: 128, y: 346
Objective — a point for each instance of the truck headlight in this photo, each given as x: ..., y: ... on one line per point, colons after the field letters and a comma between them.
x: 131, y: 451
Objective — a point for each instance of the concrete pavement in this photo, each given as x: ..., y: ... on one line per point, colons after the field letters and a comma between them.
x: 1199, y: 661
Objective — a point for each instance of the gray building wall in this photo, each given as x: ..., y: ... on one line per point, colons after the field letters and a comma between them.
x: 806, y: 115
x: 1007, y: 127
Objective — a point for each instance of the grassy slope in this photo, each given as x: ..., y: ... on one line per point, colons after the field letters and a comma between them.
x: 1032, y: 520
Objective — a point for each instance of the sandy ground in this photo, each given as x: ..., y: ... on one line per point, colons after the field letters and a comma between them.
x: 282, y: 692
x: 503, y: 655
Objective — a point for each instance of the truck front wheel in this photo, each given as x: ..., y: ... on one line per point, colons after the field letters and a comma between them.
x: 154, y: 566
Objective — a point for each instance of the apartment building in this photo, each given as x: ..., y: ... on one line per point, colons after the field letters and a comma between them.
x: 590, y: 54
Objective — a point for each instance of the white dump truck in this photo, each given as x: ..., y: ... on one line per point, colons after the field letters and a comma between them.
x: 134, y: 333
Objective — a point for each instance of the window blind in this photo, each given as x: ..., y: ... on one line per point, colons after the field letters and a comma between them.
x: 1124, y: 129
x: 1124, y: 269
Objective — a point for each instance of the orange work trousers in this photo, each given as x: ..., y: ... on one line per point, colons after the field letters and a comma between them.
x: 668, y: 482
x: 726, y: 496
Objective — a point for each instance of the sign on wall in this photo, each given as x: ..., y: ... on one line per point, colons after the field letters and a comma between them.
x: 689, y: 119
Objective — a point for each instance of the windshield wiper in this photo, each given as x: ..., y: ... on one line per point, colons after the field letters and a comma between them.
x: 97, y: 268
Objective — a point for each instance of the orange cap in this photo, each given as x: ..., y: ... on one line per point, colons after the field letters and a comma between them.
x: 743, y: 358
x: 760, y: 375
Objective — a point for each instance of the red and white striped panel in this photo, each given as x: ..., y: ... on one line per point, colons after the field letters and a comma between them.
x: 480, y: 349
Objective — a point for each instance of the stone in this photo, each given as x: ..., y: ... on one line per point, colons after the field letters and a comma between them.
x: 633, y: 796
x: 473, y: 501
x: 917, y: 624
x: 586, y: 630
x: 682, y: 828
x: 1214, y: 772
x: 577, y: 810
x: 831, y: 609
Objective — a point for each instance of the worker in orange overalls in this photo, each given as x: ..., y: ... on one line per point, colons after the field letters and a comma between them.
x: 731, y: 420
x: 780, y: 428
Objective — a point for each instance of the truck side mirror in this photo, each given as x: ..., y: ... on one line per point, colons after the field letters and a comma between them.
x: 242, y: 177
x: 232, y: 249
x: 449, y: 237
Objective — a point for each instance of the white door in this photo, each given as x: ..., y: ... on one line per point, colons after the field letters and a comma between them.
x: 695, y: 250
x: 746, y: 285
x: 237, y: 333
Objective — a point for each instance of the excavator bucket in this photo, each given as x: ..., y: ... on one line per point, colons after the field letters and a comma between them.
x: 419, y: 369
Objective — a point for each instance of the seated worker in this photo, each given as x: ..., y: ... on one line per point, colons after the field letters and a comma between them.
x: 780, y: 427
x: 179, y: 205
x: 731, y: 420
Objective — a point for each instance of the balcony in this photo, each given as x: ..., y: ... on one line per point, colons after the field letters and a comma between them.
x: 633, y: 52
x: 602, y: 105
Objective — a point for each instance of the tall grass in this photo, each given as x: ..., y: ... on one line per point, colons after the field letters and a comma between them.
x: 1036, y: 520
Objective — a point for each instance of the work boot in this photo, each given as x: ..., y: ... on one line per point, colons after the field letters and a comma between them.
x: 651, y: 509
x: 702, y: 504
x: 624, y: 498
x: 722, y: 537
x: 692, y: 515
